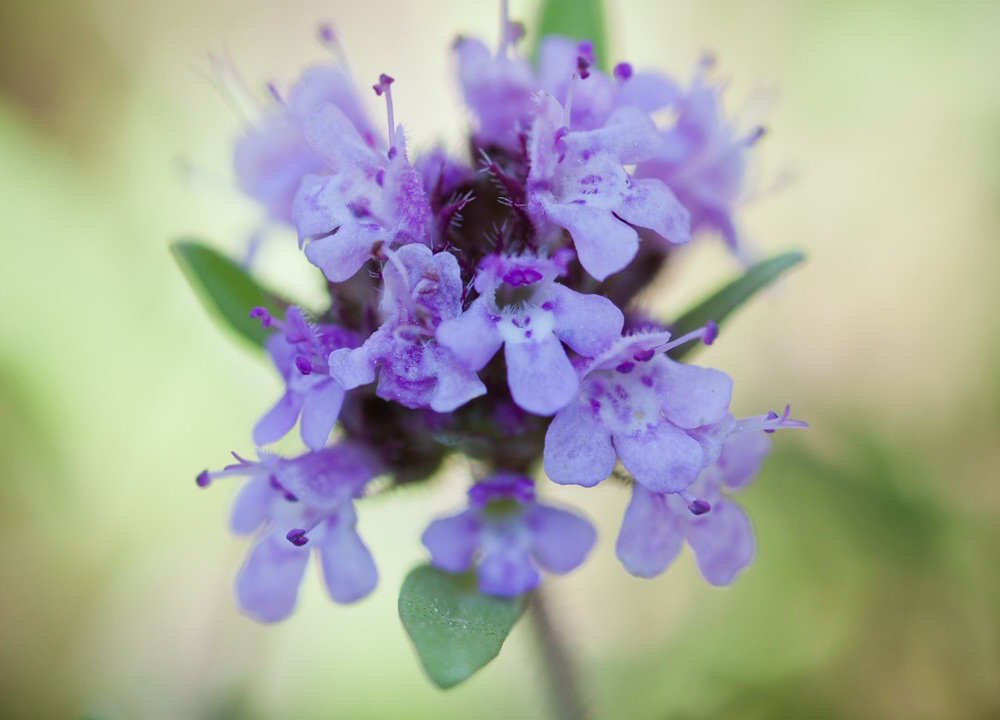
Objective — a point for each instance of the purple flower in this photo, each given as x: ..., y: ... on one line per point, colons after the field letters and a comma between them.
x: 716, y: 528
x: 299, y: 352
x: 521, y: 307
x: 702, y: 161
x: 498, y: 90
x: 272, y: 157
x: 508, y: 535
x: 297, y: 504
x: 577, y: 181
x: 373, y: 198
x: 421, y: 290
x: 637, y: 405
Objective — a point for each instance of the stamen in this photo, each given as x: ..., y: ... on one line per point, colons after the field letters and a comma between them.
x: 297, y: 537
x: 264, y: 315
x: 328, y: 38
x: 707, y: 334
x: 582, y: 67
x: 769, y: 422
x: 273, y: 90
x: 203, y: 479
x: 711, y: 332
x: 626, y: 367
x: 695, y: 505
x: 754, y: 135
x: 384, y: 81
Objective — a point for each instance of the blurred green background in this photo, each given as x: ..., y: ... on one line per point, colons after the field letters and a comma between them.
x: 876, y: 592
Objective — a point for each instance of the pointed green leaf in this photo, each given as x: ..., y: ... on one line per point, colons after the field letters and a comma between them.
x: 577, y: 19
x: 455, y: 628
x: 226, y: 289
x: 721, y: 304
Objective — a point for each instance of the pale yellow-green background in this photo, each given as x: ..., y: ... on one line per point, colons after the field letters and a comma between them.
x: 876, y: 592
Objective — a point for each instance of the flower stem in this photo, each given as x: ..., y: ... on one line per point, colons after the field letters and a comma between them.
x: 564, y: 688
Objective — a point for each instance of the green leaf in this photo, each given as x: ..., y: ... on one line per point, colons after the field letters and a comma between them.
x: 577, y: 19
x: 722, y: 303
x: 226, y: 289
x: 455, y: 628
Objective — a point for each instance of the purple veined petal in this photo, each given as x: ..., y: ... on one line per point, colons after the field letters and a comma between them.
x: 452, y: 541
x: 327, y: 84
x: 578, y: 448
x: 252, y: 506
x: 335, y: 139
x: 587, y: 323
x: 663, y: 458
x: 693, y: 396
x: 723, y: 542
x: 456, y: 385
x: 507, y: 573
x: 268, y: 584
x: 354, y: 368
x: 541, y: 378
x: 741, y: 457
x: 320, y: 409
x: 313, y: 211
x: 650, y: 537
x: 648, y: 91
x: 604, y: 244
x: 348, y: 568
x: 278, y: 420
x: 342, y: 254
x: 560, y: 540
x: 473, y: 337
x: 650, y: 204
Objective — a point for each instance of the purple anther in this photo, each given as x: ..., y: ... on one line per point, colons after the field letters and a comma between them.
x: 326, y: 33
x: 392, y: 152
x: 711, y: 332
x: 380, y: 177
x: 582, y: 67
x: 771, y: 415
x: 273, y: 90
x: 203, y: 479
x: 586, y: 50
x: 290, y: 497
x: 622, y: 71
x: 699, y: 507
x: 521, y: 276
x: 297, y: 537
x: 264, y: 315
x: 626, y: 367
x: 384, y: 81
x: 303, y: 364
x: 644, y: 355
x: 756, y: 134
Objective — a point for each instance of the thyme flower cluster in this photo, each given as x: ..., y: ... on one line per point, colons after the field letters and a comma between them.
x: 484, y: 304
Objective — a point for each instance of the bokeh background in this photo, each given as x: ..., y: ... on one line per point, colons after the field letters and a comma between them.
x: 876, y: 592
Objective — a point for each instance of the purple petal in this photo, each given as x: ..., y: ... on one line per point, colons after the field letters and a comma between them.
x: 577, y: 447
x: 313, y: 212
x: 560, y: 539
x: 252, y: 506
x: 319, y: 413
x: 650, y: 204
x: 342, y: 254
x: 268, y: 583
x: 507, y: 573
x: 348, y: 568
x: 648, y: 91
x: 663, y: 458
x: 587, y: 323
x: 603, y: 243
x: 541, y: 378
x: 473, y: 337
x: 723, y: 542
x: 741, y: 457
x: 335, y: 139
x: 456, y: 385
x: 452, y: 541
x: 353, y: 368
x: 650, y: 537
x: 694, y: 396
x: 326, y: 84
x: 278, y: 420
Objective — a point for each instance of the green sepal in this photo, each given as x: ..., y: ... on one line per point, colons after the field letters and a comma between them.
x: 455, y: 628
x: 227, y: 290
x: 721, y: 304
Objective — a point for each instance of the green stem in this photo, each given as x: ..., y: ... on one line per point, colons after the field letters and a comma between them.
x: 564, y: 688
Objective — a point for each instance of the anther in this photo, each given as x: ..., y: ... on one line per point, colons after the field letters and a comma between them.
x: 264, y: 315
x: 699, y: 507
x: 297, y: 537
x: 303, y: 364
x: 711, y: 332
x: 626, y: 367
x: 203, y: 479
x: 582, y: 67
x: 382, y: 87
x: 771, y: 415
x: 622, y: 71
